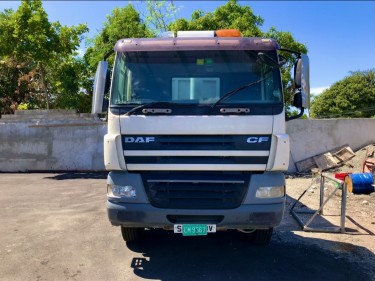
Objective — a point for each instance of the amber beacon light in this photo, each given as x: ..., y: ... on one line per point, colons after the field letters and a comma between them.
x: 228, y: 33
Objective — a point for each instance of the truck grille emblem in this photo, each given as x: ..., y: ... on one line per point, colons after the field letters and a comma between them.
x: 139, y: 139
x: 257, y: 139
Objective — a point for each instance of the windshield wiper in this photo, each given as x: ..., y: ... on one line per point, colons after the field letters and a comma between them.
x: 233, y: 92
x: 151, y: 104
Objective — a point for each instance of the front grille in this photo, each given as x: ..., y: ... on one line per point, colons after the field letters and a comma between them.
x: 196, y: 160
x: 196, y: 191
x: 196, y: 142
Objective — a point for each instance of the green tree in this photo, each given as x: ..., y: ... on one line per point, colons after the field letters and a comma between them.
x: 72, y: 92
x: 122, y: 23
x: 234, y: 16
x: 12, y: 92
x: 159, y: 15
x: 353, y: 96
x: 229, y: 15
x: 36, y: 47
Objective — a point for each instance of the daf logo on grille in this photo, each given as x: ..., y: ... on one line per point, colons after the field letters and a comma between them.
x: 257, y: 139
x: 139, y: 139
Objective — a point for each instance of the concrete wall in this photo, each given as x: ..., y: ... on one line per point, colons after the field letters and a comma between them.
x: 64, y: 140
x: 312, y: 137
x: 51, y: 141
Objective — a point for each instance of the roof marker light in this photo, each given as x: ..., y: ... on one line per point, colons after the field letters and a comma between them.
x: 228, y: 33
x: 205, y: 33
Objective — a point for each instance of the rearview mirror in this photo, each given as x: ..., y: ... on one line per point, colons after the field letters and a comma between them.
x: 99, y: 87
x: 297, y: 100
x: 302, y: 79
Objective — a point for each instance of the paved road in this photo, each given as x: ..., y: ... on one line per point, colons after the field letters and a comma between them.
x: 54, y: 227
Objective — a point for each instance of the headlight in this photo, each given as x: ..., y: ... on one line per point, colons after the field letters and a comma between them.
x: 126, y: 191
x: 270, y: 192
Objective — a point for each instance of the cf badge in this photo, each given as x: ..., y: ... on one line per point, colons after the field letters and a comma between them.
x: 257, y: 139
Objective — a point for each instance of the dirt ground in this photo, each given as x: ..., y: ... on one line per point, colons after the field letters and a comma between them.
x: 360, y: 210
x: 55, y: 227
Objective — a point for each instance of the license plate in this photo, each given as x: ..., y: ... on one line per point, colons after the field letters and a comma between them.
x: 194, y: 229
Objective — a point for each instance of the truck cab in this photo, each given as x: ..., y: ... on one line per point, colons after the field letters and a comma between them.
x: 196, y: 139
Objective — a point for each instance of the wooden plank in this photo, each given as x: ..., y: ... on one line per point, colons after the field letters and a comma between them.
x: 344, y: 154
x: 306, y: 165
x: 370, y: 151
x: 368, y: 164
x: 325, y: 161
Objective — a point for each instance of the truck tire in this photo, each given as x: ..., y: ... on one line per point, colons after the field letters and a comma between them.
x: 131, y: 234
x: 262, y: 236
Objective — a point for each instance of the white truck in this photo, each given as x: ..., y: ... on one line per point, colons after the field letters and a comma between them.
x: 196, y: 138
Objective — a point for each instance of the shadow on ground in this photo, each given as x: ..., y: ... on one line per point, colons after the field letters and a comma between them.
x: 229, y: 256
x: 74, y: 176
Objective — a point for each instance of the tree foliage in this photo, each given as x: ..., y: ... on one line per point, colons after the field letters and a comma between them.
x: 229, y: 15
x: 160, y: 14
x: 122, y: 23
x: 353, y: 96
x: 32, y: 49
x: 10, y: 90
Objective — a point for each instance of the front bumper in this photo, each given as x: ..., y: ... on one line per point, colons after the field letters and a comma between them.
x: 253, y: 212
x: 243, y: 217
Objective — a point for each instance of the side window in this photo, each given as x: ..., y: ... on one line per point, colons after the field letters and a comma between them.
x: 272, y: 90
x: 269, y: 86
x: 121, y: 89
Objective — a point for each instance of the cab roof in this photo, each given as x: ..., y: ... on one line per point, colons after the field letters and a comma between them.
x: 195, y: 43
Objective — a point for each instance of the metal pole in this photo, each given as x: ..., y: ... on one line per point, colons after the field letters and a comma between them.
x: 322, y: 203
x: 321, y: 199
x: 321, y: 207
x: 343, y: 207
x: 299, y: 221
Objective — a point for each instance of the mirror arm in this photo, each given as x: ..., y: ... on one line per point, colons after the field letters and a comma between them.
x: 291, y: 51
x: 288, y: 118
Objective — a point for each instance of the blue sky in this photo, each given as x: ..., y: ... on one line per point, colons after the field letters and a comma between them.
x: 340, y: 35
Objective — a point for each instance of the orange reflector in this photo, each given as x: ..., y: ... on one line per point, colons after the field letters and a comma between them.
x: 228, y: 33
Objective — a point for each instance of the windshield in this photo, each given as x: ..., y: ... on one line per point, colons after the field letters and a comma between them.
x: 195, y: 77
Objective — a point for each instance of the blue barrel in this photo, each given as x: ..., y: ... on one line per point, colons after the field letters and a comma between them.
x: 360, y: 183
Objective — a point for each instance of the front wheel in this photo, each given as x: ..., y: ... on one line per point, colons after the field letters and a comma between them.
x: 132, y: 234
x: 262, y: 236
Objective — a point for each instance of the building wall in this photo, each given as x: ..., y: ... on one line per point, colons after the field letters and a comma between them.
x: 66, y: 141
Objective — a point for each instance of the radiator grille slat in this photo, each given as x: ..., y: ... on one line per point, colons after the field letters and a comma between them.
x: 198, y: 193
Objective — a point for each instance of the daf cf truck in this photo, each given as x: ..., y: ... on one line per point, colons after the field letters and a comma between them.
x: 196, y: 139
